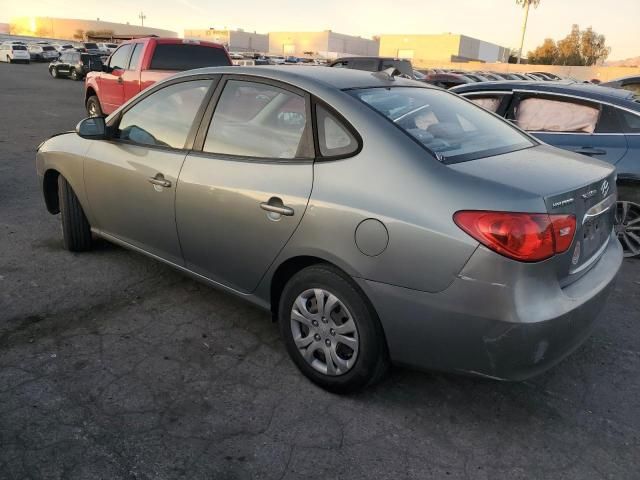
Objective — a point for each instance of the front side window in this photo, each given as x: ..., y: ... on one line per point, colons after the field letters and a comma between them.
x: 546, y: 115
x: 258, y: 120
x: 452, y: 129
x: 135, y: 56
x: 165, y: 117
x: 490, y: 103
x: 119, y: 59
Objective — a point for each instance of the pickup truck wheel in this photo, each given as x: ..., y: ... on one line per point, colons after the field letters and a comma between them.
x: 93, y: 107
x: 74, y: 74
x: 75, y: 226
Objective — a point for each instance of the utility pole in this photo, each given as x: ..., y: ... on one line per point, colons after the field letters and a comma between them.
x: 142, y: 16
x: 524, y: 28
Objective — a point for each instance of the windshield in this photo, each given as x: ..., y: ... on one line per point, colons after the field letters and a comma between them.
x: 91, y: 46
x: 454, y: 130
x: 48, y: 49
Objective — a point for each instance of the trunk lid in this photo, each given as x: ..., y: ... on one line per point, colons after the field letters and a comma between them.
x: 568, y: 184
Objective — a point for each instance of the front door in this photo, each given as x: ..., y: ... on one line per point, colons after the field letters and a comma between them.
x: 131, y: 180
x: 112, y: 82
x: 242, y: 196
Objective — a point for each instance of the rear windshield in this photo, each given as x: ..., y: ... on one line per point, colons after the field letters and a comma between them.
x: 454, y: 130
x: 91, y: 45
x: 18, y: 47
x: 182, y: 56
x: 48, y: 48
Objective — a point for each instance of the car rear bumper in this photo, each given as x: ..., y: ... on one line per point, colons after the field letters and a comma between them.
x: 499, y: 318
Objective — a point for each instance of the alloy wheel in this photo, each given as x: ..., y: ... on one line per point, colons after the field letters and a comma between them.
x: 628, y: 227
x: 324, y: 332
x: 93, y: 110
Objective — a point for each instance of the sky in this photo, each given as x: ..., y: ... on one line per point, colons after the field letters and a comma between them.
x: 497, y: 21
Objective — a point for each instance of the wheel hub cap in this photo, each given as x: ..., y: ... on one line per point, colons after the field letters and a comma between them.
x: 324, y: 332
x: 628, y: 227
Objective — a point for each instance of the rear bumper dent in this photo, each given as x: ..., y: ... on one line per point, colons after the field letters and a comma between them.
x: 499, y: 319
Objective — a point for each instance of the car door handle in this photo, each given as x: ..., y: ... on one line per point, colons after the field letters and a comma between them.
x: 275, y: 205
x: 590, y: 151
x: 159, y: 180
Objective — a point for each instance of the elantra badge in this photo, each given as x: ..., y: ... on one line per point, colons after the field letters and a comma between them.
x: 604, y: 188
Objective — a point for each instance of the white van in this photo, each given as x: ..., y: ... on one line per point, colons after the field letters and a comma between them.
x: 11, y: 53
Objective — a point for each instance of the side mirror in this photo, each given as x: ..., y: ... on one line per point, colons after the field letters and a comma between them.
x: 106, y: 68
x: 92, y: 128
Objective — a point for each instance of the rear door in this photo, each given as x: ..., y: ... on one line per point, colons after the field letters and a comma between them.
x: 112, y: 83
x: 242, y: 195
x: 578, y: 125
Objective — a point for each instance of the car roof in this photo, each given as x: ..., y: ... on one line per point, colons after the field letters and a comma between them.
x: 310, y: 77
x: 567, y: 87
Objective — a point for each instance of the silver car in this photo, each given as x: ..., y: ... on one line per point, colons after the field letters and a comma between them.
x: 379, y: 219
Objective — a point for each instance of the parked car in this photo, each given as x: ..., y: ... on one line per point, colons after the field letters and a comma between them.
x: 276, y: 59
x: 375, y: 64
x: 75, y: 65
x: 448, y: 80
x: 109, y: 48
x: 468, y: 252
x: 92, y: 48
x: 42, y: 53
x: 596, y: 121
x: 137, y: 64
x: 14, y: 53
x: 547, y: 75
x: 631, y: 83
x: 60, y: 47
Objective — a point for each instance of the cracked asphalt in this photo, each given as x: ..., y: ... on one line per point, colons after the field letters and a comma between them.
x: 115, y: 366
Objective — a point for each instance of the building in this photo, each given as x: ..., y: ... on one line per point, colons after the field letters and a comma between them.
x: 326, y: 44
x: 76, y: 29
x: 426, y: 49
x: 235, y: 40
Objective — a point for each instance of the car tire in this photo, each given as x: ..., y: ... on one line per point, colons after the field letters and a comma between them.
x: 76, y: 231
x: 54, y: 72
x: 627, y: 216
x: 9, y: 59
x: 363, y: 331
x: 74, y: 74
x: 93, y: 107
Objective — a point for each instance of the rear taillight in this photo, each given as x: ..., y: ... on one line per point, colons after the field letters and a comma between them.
x: 527, y: 237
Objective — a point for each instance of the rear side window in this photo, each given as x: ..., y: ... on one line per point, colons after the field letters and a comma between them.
x: 258, y: 120
x: 120, y: 57
x: 184, y: 56
x: 135, y: 56
x: 334, y: 138
x: 165, y: 117
x: 452, y: 129
x: 547, y: 115
x: 630, y: 122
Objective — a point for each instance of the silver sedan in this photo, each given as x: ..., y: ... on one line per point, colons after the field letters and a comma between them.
x: 379, y: 219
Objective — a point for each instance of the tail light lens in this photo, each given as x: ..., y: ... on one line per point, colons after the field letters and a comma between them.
x: 527, y: 237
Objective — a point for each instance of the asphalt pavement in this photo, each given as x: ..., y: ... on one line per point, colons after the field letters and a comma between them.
x: 113, y: 366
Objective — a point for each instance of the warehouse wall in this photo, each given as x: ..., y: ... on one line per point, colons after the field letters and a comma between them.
x: 420, y: 48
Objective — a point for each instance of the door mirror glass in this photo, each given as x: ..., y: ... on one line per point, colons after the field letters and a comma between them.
x: 92, y: 128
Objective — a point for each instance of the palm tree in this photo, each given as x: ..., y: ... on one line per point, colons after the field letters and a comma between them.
x: 525, y: 4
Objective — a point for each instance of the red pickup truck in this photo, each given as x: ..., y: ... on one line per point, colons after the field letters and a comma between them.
x: 136, y: 64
